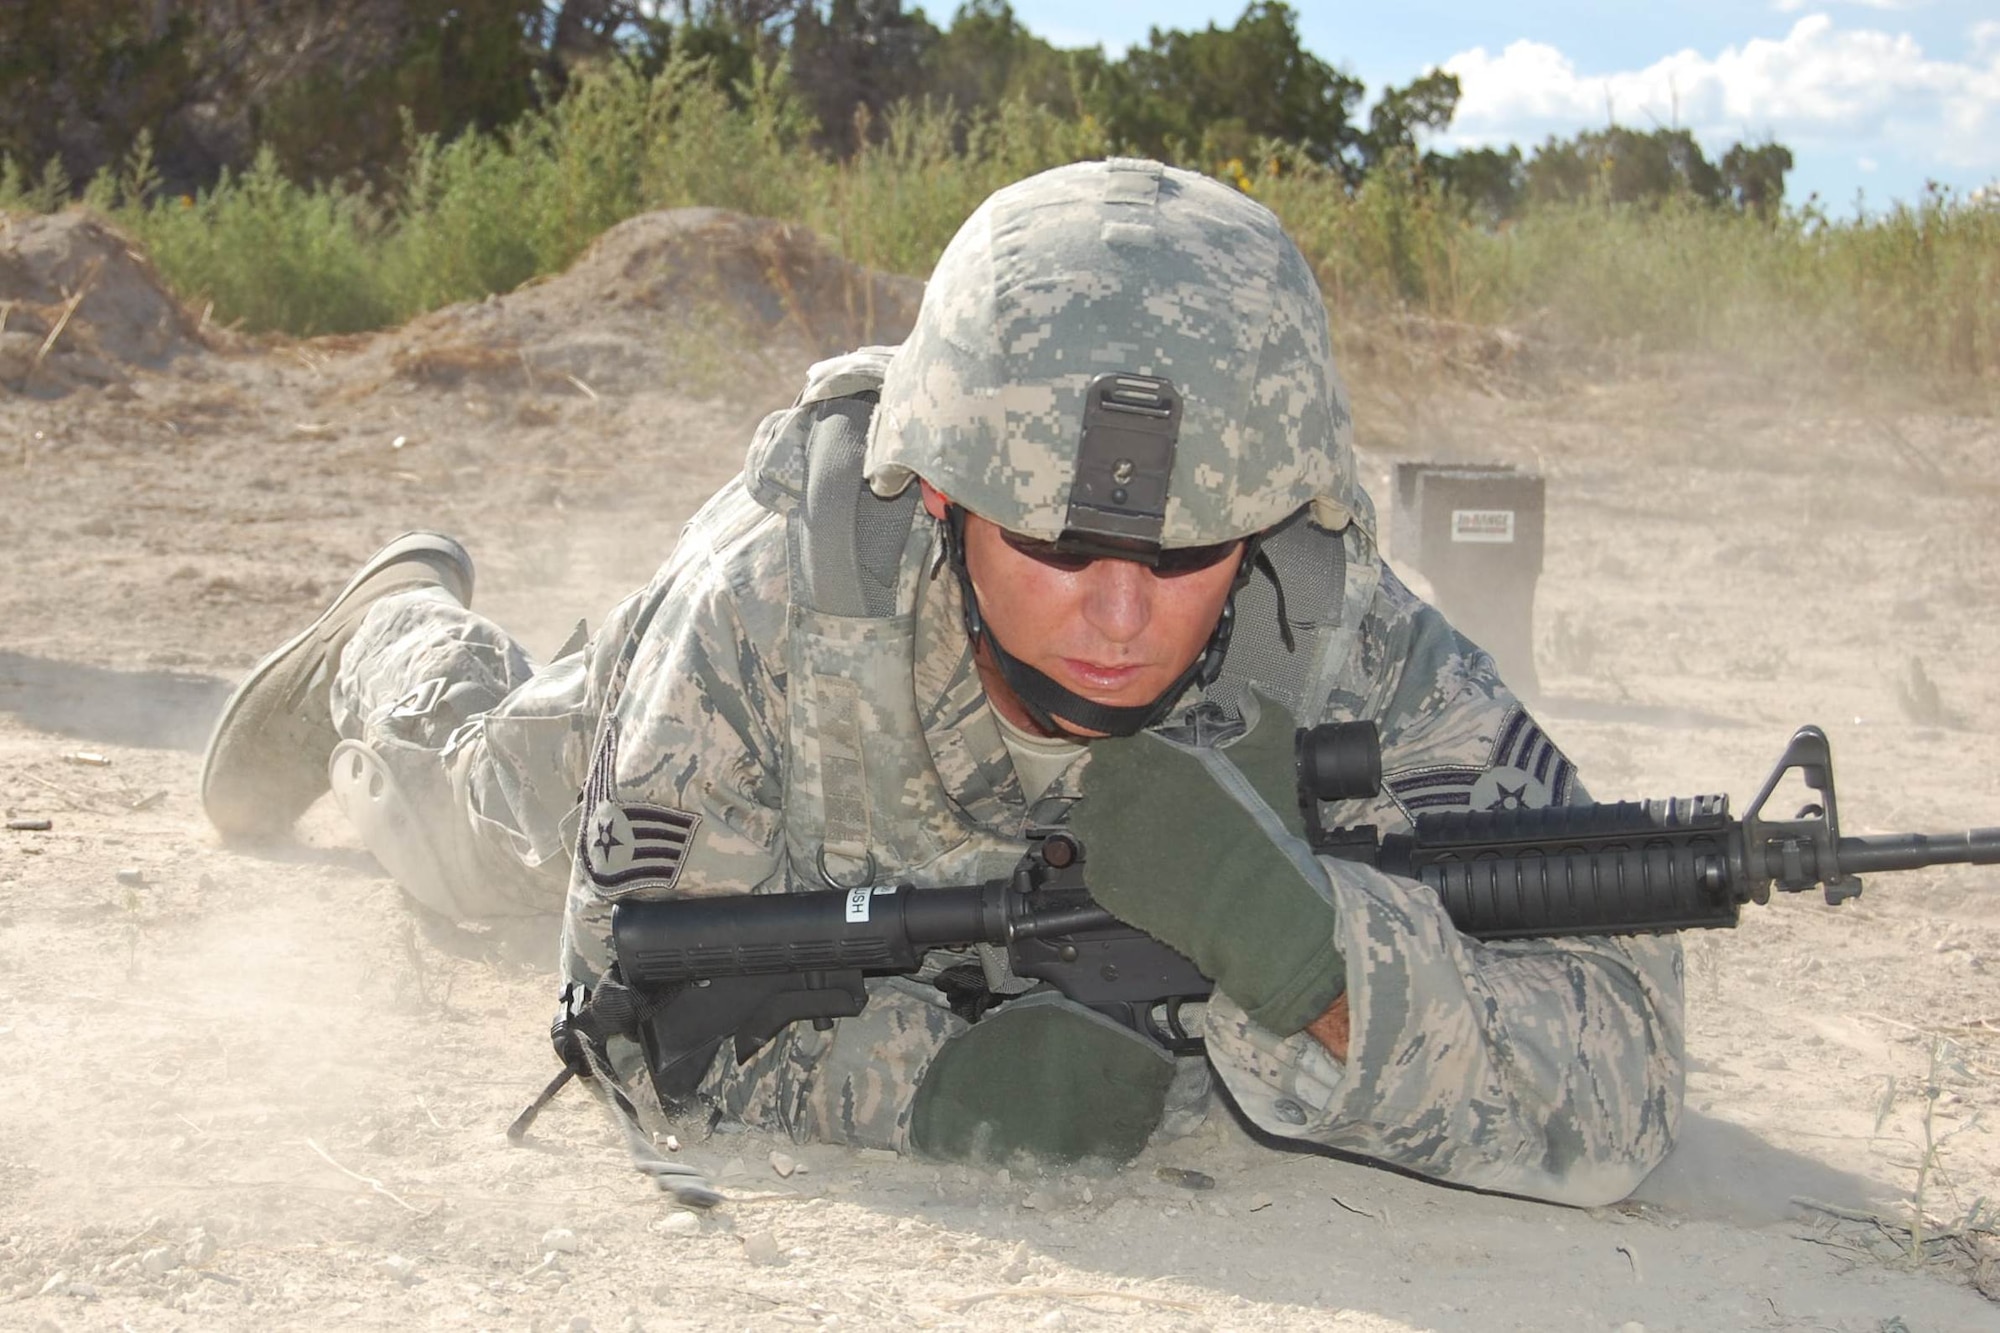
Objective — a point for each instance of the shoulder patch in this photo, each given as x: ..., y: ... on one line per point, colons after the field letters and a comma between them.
x: 636, y: 846
x: 625, y: 846
x: 1524, y: 770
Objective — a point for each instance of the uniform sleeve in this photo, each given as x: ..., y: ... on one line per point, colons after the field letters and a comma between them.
x: 1549, y: 1068
x: 684, y: 781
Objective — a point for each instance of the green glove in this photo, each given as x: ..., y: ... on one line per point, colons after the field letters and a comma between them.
x: 1170, y: 850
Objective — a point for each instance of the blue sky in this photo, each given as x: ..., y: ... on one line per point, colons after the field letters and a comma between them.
x: 1873, y: 96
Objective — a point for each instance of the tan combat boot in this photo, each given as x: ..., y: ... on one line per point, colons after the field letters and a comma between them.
x: 267, y: 757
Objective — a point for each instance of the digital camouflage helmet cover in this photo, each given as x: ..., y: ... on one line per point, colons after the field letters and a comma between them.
x: 1144, y: 270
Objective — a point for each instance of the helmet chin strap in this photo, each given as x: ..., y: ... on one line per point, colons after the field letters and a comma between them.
x: 1057, y: 709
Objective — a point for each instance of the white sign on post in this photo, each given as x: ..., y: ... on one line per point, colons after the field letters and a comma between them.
x: 1482, y: 525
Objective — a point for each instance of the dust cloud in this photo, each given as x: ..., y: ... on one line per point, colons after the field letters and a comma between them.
x: 247, y: 1086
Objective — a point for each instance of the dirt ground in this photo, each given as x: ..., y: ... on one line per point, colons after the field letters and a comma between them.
x: 250, y: 1087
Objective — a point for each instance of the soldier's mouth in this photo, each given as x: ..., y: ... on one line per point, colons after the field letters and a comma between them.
x: 1098, y: 676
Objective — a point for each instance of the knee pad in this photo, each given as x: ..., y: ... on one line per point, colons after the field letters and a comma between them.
x: 391, y: 826
x: 1045, y: 1077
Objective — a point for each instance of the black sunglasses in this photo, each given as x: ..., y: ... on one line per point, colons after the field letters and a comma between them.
x: 1172, y: 561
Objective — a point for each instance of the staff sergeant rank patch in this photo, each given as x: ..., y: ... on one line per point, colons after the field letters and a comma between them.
x: 629, y: 847
x: 1525, y: 771
x: 624, y: 846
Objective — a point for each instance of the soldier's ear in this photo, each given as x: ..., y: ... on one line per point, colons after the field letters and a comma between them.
x: 935, y: 500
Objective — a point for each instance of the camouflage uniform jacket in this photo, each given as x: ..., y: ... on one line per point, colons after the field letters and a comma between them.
x: 781, y: 743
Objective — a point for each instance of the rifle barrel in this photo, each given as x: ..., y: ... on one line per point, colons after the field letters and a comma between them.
x: 1912, y: 851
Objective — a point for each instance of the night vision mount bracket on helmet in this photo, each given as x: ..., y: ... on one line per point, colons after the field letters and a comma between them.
x: 1118, y: 502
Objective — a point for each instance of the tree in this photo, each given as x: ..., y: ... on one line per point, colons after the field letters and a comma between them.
x: 986, y: 57
x: 325, y: 83
x: 734, y: 36
x: 1426, y: 103
x: 1626, y: 166
x: 1756, y: 176
x: 84, y: 77
x: 1218, y: 92
x: 438, y: 66
x: 1488, y: 180
x: 857, y: 60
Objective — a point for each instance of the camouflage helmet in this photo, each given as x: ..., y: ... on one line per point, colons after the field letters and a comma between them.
x: 1140, y: 269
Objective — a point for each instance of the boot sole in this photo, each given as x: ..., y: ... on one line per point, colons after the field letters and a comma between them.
x: 448, y: 555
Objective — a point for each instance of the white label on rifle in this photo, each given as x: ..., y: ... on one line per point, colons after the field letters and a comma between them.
x: 857, y: 903
x: 1482, y: 525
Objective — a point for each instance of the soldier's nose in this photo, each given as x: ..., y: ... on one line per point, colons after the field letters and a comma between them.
x: 1118, y: 598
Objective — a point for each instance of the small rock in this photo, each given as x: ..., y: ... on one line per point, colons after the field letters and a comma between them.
x: 397, y: 1269
x: 160, y: 1261
x: 878, y: 1155
x: 560, y: 1239
x: 1037, y: 1201
x: 1775, y: 1062
x: 762, y: 1248
x: 579, y: 1324
x: 1016, y: 1267
x: 678, y: 1224
x: 631, y: 1325
x: 83, y: 1291
x: 29, y: 825
x: 1259, y: 1202
x: 131, y: 875
x: 784, y: 1164
x: 734, y: 1167
x: 199, y: 1250
x: 673, y: 1144
x: 1053, y: 1319
x: 1631, y: 1326
x: 1186, y: 1179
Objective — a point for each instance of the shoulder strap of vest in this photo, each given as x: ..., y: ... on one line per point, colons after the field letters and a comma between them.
x: 846, y: 542
x: 1293, y: 664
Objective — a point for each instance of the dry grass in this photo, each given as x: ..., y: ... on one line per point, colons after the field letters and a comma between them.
x: 1910, y: 294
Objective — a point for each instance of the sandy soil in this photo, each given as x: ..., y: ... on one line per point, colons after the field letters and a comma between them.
x: 251, y: 1087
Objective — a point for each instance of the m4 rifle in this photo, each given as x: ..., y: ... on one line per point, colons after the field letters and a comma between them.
x: 692, y: 972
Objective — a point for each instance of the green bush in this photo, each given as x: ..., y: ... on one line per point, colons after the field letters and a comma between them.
x: 272, y: 254
x: 1913, y: 291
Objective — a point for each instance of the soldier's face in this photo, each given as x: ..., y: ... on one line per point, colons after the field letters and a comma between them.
x: 1113, y: 631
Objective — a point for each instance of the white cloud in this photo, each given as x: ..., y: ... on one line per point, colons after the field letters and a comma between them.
x: 1794, y: 6
x: 1819, y: 85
